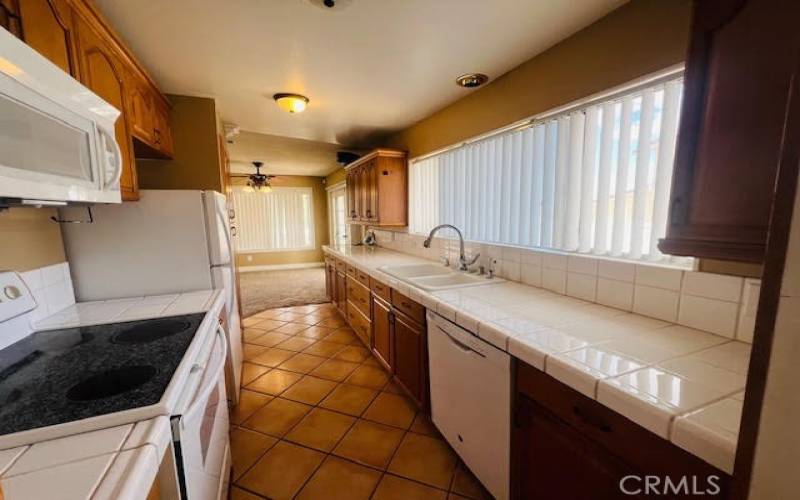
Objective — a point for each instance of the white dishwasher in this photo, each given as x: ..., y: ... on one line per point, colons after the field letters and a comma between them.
x: 471, y: 401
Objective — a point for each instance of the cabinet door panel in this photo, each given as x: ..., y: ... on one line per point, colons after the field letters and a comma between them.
x: 341, y: 293
x: 47, y: 28
x: 10, y: 17
x: 382, y: 332
x: 102, y: 74
x: 352, y: 209
x: 409, y: 362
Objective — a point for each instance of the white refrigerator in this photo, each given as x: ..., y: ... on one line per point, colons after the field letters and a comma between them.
x: 169, y: 241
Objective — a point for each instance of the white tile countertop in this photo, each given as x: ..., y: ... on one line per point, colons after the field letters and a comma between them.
x: 114, y: 463
x: 683, y: 384
x: 129, y: 309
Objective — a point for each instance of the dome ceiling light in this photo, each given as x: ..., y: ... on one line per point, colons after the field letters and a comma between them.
x: 472, y: 80
x: 291, y: 103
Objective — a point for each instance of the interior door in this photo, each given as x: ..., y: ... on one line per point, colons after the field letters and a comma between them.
x: 338, y: 213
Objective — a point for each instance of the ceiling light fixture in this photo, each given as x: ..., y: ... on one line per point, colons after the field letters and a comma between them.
x: 256, y: 182
x: 472, y: 80
x: 291, y: 103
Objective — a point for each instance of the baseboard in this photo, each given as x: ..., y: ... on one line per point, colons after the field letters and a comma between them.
x: 280, y: 267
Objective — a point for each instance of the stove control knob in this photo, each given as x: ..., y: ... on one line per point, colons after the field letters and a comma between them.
x: 12, y: 292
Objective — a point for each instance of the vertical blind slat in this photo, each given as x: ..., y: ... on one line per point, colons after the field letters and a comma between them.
x: 593, y: 180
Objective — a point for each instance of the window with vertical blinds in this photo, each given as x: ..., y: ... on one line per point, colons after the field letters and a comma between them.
x: 592, y: 180
x: 282, y: 219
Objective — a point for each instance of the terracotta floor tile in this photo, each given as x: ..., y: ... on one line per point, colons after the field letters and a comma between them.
x: 371, y: 361
x: 424, y: 459
x: 320, y: 429
x: 291, y: 328
x: 250, y: 351
x: 343, y: 336
x: 309, y: 319
x: 272, y: 357
x: 333, y: 369
x: 454, y: 496
x: 269, y: 313
x: 391, y: 409
x: 277, y: 418
x: 271, y: 339
x: 466, y: 484
x: 304, y: 309
x: 324, y: 348
x: 302, y: 363
x: 396, y: 488
x: 316, y: 332
x: 394, y: 388
x: 251, y: 333
x: 369, y: 376
x: 297, y: 343
x: 330, y: 312
x: 334, y: 321
x: 349, y: 399
x: 251, y: 372
x: 309, y: 390
x: 237, y: 493
x: 370, y: 444
x: 269, y: 324
x: 353, y: 353
x: 246, y: 448
x: 423, y: 425
x: 282, y: 471
x: 249, y: 402
x: 250, y: 321
x: 289, y: 316
x: 338, y: 479
x: 274, y: 382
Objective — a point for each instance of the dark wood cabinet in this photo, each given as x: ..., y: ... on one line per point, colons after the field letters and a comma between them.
x: 409, y: 359
x: 341, y: 292
x: 566, y: 445
x: 741, y: 62
x: 377, y: 189
x: 10, y: 18
x: 382, y: 338
x: 330, y: 280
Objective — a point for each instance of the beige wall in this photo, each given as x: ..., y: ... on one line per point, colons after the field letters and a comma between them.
x: 195, y: 164
x: 320, y: 226
x: 30, y: 239
x: 640, y: 37
x: 335, y: 177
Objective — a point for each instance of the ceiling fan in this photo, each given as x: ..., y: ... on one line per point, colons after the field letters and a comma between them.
x: 257, y: 181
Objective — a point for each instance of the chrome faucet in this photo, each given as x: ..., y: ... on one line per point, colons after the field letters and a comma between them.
x: 463, y: 263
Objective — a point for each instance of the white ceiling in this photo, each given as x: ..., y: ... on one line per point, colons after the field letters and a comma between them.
x: 368, y: 66
x: 282, y: 155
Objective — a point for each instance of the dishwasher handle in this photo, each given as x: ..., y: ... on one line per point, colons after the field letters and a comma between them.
x: 460, y: 345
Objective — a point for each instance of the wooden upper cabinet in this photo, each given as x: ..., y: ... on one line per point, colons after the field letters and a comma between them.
x: 142, y: 114
x: 741, y: 61
x: 47, y: 28
x: 10, y: 17
x: 377, y: 189
x: 103, y: 73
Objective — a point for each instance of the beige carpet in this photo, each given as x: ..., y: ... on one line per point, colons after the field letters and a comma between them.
x: 270, y: 289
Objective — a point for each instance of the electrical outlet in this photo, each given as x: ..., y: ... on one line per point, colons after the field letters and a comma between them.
x: 15, y: 297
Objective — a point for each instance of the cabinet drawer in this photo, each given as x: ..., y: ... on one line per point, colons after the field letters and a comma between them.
x: 359, y: 323
x: 623, y: 438
x: 410, y: 308
x: 341, y: 265
x: 358, y: 294
x: 382, y: 290
x: 351, y: 270
x: 363, y: 277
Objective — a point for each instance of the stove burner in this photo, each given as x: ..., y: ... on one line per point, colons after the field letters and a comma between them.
x: 111, y: 382
x: 150, y: 331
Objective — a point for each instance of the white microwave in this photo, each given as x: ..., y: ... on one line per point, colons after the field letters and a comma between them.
x: 57, y: 142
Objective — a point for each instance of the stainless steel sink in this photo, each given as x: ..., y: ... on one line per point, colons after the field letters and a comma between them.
x: 431, y: 277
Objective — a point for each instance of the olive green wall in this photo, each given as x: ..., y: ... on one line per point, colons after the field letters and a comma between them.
x: 640, y: 37
x: 320, y: 226
x: 195, y: 164
x: 30, y: 239
x: 335, y: 177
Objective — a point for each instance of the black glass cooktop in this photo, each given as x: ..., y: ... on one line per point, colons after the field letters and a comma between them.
x: 57, y: 376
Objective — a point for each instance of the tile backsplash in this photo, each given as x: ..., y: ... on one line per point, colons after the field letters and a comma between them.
x: 716, y: 303
x: 51, y: 287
